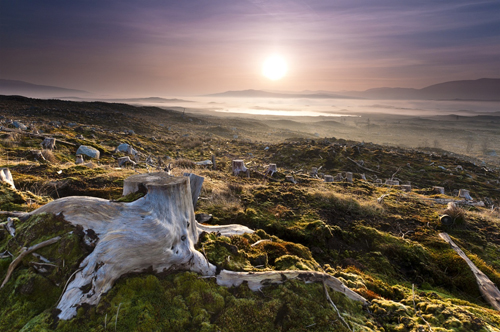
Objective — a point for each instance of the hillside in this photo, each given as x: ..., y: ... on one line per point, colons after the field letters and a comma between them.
x: 480, y: 89
x: 388, y: 250
x: 266, y: 94
x: 13, y: 87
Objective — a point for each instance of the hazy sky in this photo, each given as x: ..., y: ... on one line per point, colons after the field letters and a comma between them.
x: 159, y: 47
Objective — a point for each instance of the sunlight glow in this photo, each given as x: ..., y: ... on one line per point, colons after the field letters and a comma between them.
x: 274, y: 67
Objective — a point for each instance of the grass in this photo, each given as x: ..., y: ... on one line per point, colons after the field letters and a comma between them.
x: 379, y: 250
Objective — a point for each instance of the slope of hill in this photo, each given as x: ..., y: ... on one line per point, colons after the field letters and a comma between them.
x: 382, y: 241
x: 12, y: 87
x: 481, y: 89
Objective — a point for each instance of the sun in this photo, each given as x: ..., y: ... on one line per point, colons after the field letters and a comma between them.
x: 274, y: 68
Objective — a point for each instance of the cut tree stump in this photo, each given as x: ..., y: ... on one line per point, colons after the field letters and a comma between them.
x: 487, y: 288
x: 156, y: 232
x: 49, y: 143
x: 328, y: 178
x: 348, y: 176
x: 464, y: 193
x: 238, y: 166
x: 406, y: 187
x: 6, y: 176
x: 79, y: 159
x: 125, y: 160
x: 271, y: 169
x: 438, y: 190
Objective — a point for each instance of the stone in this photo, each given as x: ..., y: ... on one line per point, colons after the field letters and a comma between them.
x: 88, y: 151
x: 19, y: 125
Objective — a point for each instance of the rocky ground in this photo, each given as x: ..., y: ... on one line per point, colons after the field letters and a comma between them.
x: 386, y: 249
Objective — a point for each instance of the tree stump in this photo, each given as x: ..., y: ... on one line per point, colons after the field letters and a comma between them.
x: 271, y: 169
x: 238, y: 166
x: 125, y: 160
x: 464, y: 193
x: 338, y: 177
x: 49, y: 143
x: 6, y: 176
x: 328, y: 178
x: 438, y: 190
x: 38, y: 155
x: 79, y: 159
x: 314, y: 172
x: 390, y: 182
x: 406, y: 187
x: 348, y: 176
x: 156, y: 232
x: 289, y: 178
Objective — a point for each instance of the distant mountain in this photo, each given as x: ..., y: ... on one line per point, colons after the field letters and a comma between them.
x: 481, y: 89
x: 148, y: 100
x: 12, y: 87
x: 265, y: 94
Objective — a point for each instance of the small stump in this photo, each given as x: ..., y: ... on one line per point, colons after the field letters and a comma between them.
x: 465, y: 194
x: 49, y: 143
x: 79, y: 159
x: 328, y: 178
x: 289, y: 178
x: 238, y: 166
x: 271, y: 169
x: 406, y: 187
x: 348, y: 176
x: 438, y: 190
x: 390, y: 182
x: 6, y: 176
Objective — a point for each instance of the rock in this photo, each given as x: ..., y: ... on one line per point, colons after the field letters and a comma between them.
x: 19, y: 125
x: 126, y: 148
x: 88, y: 151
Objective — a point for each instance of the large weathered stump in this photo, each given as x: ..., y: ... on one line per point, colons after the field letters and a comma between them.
x: 156, y: 232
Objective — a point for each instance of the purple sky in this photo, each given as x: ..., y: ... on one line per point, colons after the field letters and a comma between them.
x: 153, y: 47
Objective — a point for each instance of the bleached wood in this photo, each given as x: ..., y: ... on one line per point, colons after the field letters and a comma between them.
x: 196, y: 182
x: 158, y: 232
x: 238, y: 166
x: 487, y: 288
x: 24, y: 252
x: 6, y: 176
x: 257, y: 280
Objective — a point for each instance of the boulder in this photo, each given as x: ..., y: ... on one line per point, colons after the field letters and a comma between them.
x: 88, y: 151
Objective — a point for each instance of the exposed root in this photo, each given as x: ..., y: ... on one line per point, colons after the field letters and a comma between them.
x: 24, y: 252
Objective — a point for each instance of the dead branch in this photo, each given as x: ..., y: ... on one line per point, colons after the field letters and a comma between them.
x: 487, y: 288
x: 363, y: 167
x: 24, y: 252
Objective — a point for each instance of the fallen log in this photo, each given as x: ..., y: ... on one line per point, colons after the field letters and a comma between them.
x: 487, y: 288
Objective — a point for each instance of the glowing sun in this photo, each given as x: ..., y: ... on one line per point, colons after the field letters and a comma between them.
x: 274, y: 67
